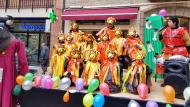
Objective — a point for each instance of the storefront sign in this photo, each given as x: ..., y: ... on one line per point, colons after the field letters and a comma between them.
x: 32, y: 27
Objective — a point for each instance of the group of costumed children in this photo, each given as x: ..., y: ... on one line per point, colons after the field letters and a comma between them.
x: 81, y: 56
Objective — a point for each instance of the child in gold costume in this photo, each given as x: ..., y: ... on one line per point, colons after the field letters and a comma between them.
x: 109, y: 29
x: 102, y: 46
x: 138, y: 72
x: 92, y: 67
x: 75, y: 65
x: 119, y: 41
x: 59, y: 62
x: 69, y: 44
x: 110, y: 70
x: 89, y: 44
x: 75, y: 32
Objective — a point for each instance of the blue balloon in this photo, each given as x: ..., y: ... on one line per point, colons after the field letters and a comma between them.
x: 99, y: 100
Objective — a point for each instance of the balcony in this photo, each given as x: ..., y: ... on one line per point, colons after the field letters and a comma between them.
x: 24, y: 4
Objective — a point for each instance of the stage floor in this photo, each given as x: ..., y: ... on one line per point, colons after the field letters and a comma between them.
x: 155, y: 95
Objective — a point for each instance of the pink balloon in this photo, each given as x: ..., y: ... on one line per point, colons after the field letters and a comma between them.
x: 49, y: 83
x: 163, y: 12
x: 38, y: 80
x: 104, y: 88
x: 142, y: 90
x: 43, y: 81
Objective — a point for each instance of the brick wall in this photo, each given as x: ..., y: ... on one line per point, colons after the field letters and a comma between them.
x: 174, y: 9
x: 56, y: 27
x: 181, y: 10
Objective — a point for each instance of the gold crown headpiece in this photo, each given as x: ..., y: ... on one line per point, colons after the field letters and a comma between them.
x: 132, y: 31
x: 74, y: 25
x: 118, y: 31
x: 111, y: 20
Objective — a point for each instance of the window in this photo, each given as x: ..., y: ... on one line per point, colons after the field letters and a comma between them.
x: 101, y: 22
x: 184, y: 22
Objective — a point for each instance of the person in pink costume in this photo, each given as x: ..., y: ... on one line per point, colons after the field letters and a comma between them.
x: 10, y: 47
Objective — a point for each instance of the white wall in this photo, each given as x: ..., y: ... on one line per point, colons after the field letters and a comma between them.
x: 67, y: 26
x: 37, y: 12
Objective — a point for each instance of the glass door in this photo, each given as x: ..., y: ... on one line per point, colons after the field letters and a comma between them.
x: 32, y: 41
x: 33, y: 49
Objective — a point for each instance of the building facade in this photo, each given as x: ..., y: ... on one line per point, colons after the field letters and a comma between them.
x: 30, y: 17
x: 145, y: 8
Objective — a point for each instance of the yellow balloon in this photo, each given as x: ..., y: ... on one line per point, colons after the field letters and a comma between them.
x: 88, y: 100
x: 56, y: 81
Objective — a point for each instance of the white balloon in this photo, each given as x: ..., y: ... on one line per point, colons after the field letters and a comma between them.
x: 64, y: 83
x: 154, y: 15
x: 27, y: 85
x: 133, y: 103
x: 186, y: 93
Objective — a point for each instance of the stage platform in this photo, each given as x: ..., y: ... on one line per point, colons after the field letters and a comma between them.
x: 155, y: 95
x: 38, y: 97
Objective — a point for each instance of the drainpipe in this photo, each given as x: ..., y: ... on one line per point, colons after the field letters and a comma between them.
x: 63, y: 21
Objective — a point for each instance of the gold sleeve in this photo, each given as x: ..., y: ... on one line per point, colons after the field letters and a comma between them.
x: 186, y: 38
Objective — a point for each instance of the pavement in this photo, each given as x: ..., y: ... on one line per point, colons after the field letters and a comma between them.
x: 38, y: 69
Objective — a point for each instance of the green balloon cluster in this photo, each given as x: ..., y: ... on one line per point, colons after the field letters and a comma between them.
x: 52, y: 16
x: 16, y: 90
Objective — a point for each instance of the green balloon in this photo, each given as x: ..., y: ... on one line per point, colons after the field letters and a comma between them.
x: 93, y: 85
x: 16, y: 90
x: 52, y: 16
x: 28, y: 76
x: 168, y: 105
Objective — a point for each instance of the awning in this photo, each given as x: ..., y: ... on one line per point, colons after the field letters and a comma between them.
x: 99, y: 14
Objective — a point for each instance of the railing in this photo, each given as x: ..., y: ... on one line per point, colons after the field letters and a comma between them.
x: 19, y: 4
